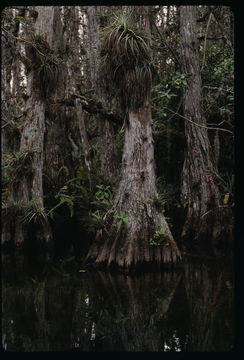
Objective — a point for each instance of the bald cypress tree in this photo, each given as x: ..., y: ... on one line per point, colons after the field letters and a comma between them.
x: 25, y: 203
x: 136, y: 222
x: 207, y: 220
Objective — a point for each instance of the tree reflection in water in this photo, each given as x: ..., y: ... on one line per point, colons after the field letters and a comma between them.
x: 189, y: 310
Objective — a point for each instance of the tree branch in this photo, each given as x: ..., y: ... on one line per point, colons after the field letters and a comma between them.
x: 200, y: 125
x: 93, y: 106
x: 167, y: 45
x: 205, y: 41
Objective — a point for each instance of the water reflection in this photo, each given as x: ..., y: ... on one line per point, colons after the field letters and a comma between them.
x: 190, y: 310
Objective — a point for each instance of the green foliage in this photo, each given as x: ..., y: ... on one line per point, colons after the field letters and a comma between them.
x: 96, y: 221
x: 226, y: 182
x: 179, y: 80
x: 121, y: 219
x: 157, y: 238
x: 99, y: 210
x: 103, y: 192
x: 20, y: 19
x: 63, y: 199
x: 66, y: 191
x: 217, y: 79
x: 166, y: 196
x: 99, y: 213
x: 220, y: 65
x: 68, y: 195
x: 162, y: 95
x: 122, y: 318
x: 165, y: 96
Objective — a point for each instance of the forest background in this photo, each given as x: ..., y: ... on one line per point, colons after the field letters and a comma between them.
x: 117, y: 132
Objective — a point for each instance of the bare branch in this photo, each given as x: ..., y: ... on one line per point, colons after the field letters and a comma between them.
x: 200, y: 125
x: 205, y: 41
x: 167, y: 45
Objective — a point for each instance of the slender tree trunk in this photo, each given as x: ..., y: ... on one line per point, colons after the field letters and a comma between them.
x: 74, y: 68
x: 83, y: 135
x: 106, y: 136
x: 55, y: 142
x: 199, y: 188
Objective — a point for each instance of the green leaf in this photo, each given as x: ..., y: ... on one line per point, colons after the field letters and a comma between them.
x: 119, y: 223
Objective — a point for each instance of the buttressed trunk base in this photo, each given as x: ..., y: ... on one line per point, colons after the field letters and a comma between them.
x: 138, y: 231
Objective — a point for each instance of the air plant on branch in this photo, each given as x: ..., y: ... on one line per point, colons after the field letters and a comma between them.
x: 126, y: 60
x: 48, y: 66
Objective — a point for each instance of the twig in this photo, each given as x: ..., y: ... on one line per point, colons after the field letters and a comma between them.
x: 168, y: 46
x: 178, y: 108
x: 24, y: 40
x: 223, y: 34
x: 215, y: 98
x: 217, y: 88
x: 220, y: 206
x: 205, y: 41
x: 200, y: 125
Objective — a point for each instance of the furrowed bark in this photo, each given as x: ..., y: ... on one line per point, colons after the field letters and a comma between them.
x: 108, y: 156
x: 32, y: 229
x: 129, y: 245
x: 135, y: 220
x: 204, y: 219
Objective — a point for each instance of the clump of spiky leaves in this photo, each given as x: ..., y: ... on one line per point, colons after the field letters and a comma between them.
x: 46, y: 64
x: 36, y: 49
x: 49, y: 74
x: 126, y: 60
x: 18, y: 164
x: 31, y: 212
x: 34, y: 213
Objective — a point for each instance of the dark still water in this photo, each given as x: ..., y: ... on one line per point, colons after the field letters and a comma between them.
x: 58, y: 310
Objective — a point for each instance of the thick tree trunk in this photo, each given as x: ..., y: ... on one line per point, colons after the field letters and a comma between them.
x: 139, y: 233
x: 32, y: 228
x: 30, y: 188
x: 199, y: 188
x: 129, y: 244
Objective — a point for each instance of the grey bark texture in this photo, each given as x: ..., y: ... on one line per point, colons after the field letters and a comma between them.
x: 199, y: 187
x: 73, y: 63
x: 30, y: 189
x: 128, y: 244
x: 108, y: 157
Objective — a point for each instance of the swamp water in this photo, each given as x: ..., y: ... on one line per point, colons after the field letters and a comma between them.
x: 57, y: 310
